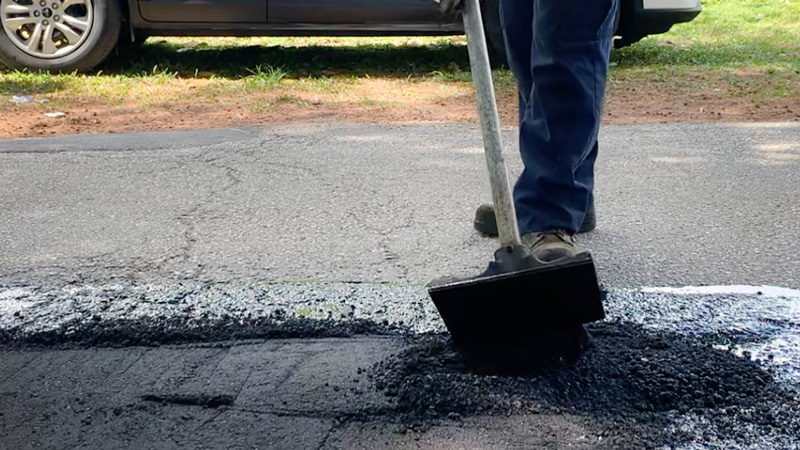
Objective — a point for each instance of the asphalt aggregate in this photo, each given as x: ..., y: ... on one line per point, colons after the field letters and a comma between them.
x: 670, y: 368
x: 629, y: 376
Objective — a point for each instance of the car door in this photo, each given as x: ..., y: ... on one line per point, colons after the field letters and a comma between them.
x: 353, y: 11
x: 208, y: 11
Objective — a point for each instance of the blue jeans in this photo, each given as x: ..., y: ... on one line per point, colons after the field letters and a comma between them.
x: 559, y: 52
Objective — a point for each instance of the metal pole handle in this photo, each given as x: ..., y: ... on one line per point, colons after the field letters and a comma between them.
x: 507, y: 227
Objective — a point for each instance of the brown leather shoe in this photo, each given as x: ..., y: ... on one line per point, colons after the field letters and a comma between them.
x: 550, y: 246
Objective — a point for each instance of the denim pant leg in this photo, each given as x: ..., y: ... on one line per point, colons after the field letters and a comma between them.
x: 558, y: 51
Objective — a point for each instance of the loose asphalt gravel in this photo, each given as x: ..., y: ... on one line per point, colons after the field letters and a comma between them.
x: 265, y: 288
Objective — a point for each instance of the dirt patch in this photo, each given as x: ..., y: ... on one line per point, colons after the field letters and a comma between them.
x: 659, y: 382
x: 640, y: 105
x: 194, y: 104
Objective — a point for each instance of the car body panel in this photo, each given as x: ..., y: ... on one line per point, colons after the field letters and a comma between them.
x: 213, y: 11
x: 354, y: 11
x: 405, y: 18
x: 295, y: 29
x: 638, y: 18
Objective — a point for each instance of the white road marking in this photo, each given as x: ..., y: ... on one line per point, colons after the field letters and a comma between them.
x: 767, y: 291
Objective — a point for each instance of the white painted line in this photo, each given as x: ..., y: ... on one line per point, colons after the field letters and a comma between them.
x: 767, y: 291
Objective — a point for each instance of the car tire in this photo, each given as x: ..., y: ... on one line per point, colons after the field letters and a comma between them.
x: 76, y: 37
x: 490, y: 10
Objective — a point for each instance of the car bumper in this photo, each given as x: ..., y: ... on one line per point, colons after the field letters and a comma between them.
x: 671, y: 5
x: 658, y: 16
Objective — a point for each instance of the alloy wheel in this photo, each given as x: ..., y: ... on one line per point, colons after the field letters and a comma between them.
x: 47, y: 28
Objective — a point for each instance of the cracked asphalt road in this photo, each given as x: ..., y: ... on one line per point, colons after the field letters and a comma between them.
x: 162, y: 232
x: 677, y: 204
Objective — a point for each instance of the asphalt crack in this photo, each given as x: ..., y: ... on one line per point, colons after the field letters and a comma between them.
x: 202, y: 400
x: 188, y: 219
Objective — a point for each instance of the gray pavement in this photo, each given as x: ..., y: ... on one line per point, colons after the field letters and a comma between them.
x: 197, y: 231
x: 677, y: 204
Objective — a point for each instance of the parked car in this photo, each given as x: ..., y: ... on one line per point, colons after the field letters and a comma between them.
x: 68, y: 35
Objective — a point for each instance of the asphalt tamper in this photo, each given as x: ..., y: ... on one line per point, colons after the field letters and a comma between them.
x: 517, y: 302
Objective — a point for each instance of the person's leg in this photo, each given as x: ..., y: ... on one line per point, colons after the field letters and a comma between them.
x: 517, y: 23
x: 570, y: 43
x: 586, y: 172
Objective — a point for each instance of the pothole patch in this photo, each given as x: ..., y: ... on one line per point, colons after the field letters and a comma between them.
x: 631, y: 376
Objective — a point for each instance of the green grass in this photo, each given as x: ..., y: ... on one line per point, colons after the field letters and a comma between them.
x: 745, y: 47
x: 730, y: 35
x: 727, y: 33
x: 265, y: 77
x: 12, y: 83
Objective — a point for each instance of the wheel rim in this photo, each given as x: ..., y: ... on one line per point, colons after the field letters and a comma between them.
x: 47, y: 28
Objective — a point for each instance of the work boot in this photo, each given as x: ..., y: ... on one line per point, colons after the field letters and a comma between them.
x: 550, y: 246
x: 486, y: 223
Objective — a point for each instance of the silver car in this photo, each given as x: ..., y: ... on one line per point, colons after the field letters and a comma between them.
x: 69, y: 35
